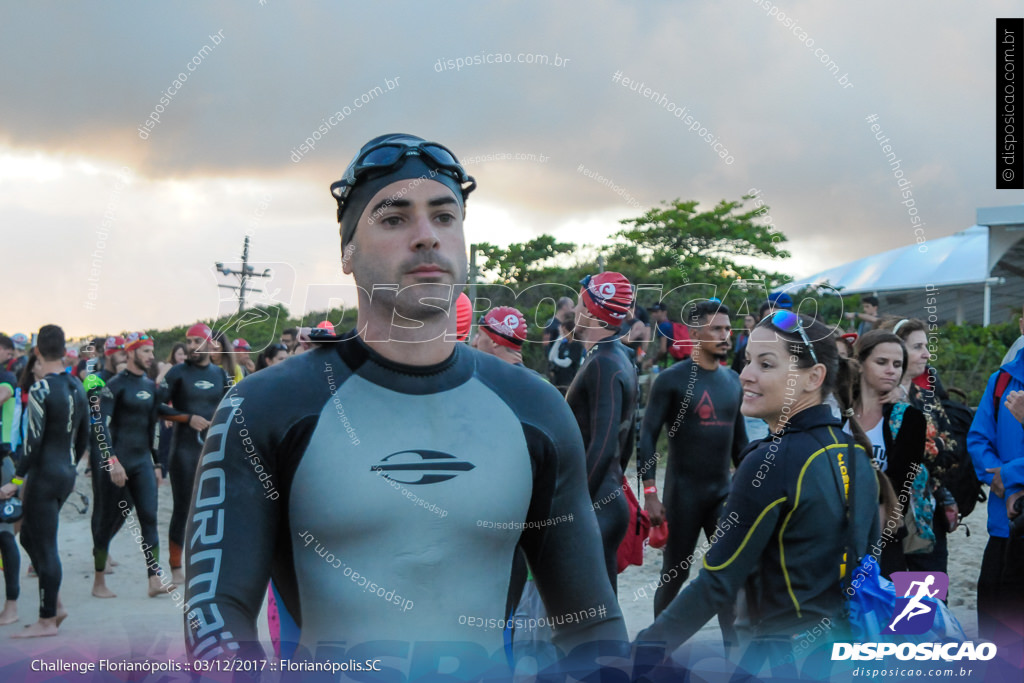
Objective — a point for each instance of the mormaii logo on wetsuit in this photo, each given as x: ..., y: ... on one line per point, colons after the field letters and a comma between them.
x: 144, y: 395
x: 913, y: 614
x: 432, y: 467
x: 203, y: 384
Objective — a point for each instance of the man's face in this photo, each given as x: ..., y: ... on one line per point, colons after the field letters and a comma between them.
x: 6, y: 354
x: 198, y: 348
x: 868, y: 308
x: 143, y: 357
x: 713, y: 335
x: 410, y: 235
x: 288, y: 340
x: 117, y: 359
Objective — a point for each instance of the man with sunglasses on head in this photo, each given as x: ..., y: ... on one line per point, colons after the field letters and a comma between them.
x: 699, y: 401
x: 372, y: 476
x: 127, y: 431
x: 603, y: 399
x: 194, y: 389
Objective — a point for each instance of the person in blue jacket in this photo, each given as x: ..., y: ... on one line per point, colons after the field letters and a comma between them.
x: 996, y: 444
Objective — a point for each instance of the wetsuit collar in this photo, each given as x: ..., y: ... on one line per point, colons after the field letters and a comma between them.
x: 370, y: 365
x: 809, y: 418
x: 605, y: 342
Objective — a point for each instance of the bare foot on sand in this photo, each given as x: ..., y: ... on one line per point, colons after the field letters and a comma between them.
x: 10, y: 613
x: 156, y: 587
x: 99, y: 587
x: 40, y: 629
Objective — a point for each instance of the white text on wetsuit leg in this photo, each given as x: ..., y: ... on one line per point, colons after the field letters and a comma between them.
x: 205, y: 622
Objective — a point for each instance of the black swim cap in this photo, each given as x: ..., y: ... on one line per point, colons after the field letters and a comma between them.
x: 360, y: 183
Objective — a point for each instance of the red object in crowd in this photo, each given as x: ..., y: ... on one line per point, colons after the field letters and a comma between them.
x: 631, y: 550
x: 463, y: 317
x: 659, y: 535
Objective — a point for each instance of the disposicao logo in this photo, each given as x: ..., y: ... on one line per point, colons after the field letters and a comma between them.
x: 914, y: 614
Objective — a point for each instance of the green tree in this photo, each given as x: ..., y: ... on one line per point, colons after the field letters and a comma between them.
x: 515, y: 263
x: 679, y: 244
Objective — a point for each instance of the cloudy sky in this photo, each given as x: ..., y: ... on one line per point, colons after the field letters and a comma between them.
x: 110, y: 225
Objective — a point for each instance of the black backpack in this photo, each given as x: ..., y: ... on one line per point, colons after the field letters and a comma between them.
x: 961, y: 479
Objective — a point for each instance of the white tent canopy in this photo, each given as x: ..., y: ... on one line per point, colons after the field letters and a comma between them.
x: 956, y: 260
x: 976, y: 275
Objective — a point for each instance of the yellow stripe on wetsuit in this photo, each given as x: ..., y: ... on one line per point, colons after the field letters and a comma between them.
x: 745, y: 539
x: 799, y: 485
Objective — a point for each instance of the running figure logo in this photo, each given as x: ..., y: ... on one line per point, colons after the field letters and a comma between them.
x: 914, y: 612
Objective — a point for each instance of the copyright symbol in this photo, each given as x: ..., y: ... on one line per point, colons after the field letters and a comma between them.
x: 1007, y: 174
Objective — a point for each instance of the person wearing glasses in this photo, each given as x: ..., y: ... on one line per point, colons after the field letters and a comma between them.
x: 603, y: 398
x: 897, y: 431
x: 125, y: 423
x: 792, y: 498
x: 383, y: 469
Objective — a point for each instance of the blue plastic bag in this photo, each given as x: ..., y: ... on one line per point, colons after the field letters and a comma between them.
x: 873, y: 602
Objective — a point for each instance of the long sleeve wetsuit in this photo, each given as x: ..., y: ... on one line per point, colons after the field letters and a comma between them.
x: 386, y: 502
x: 129, y: 420
x: 603, y: 398
x: 706, y: 432
x: 192, y: 390
x: 782, y: 536
x: 57, y: 438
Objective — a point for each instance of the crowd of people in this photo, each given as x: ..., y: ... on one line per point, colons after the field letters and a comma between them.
x: 822, y: 448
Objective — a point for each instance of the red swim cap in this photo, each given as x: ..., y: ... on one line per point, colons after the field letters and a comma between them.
x: 607, y: 296
x: 113, y: 345
x: 136, y: 340
x: 200, y: 330
x: 505, y: 326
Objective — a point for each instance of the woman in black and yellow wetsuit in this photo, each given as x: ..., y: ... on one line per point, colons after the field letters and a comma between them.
x: 789, y: 504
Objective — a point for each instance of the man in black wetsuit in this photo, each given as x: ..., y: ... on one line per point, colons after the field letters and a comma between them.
x: 129, y: 426
x: 104, y: 493
x: 698, y: 399
x: 194, y: 389
x: 384, y: 481
x: 603, y: 398
x: 57, y: 438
